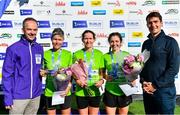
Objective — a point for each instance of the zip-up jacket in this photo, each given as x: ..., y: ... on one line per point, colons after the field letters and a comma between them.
x: 163, y: 64
x: 20, y: 73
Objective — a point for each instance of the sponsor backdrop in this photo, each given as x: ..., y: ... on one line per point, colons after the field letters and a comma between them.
x: 101, y: 16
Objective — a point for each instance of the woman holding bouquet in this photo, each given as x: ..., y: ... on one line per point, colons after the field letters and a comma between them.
x: 87, y: 93
x: 56, y: 60
x: 114, y: 97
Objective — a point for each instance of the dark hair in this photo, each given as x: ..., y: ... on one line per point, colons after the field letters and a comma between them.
x: 114, y: 34
x: 29, y: 19
x: 57, y: 31
x: 154, y: 14
x: 88, y: 31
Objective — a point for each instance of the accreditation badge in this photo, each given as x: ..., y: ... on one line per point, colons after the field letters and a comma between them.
x: 38, y: 58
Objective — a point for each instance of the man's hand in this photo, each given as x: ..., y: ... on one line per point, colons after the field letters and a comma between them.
x: 9, y: 107
x: 148, y: 87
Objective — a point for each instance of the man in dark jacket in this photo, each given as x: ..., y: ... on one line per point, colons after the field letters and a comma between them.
x: 21, y: 79
x: 158, y: 74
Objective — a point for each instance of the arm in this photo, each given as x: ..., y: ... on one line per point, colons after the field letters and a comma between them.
x: 7, y: 77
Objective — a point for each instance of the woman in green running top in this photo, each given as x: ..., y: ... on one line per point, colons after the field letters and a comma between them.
x: 89, y: 103
x: 113, y: 96
x: 55, y: 59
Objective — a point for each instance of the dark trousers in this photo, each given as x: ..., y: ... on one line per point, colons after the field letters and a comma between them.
x: 161, y: 102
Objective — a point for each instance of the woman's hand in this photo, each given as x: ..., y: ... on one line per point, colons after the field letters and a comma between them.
x: 133, y: 82
x: 109, y: 78
x: 81, y: 84
x: 99, y: 83
x: 67, y: 90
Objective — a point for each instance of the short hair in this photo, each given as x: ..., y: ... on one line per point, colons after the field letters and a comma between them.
x: 154, y: 14
x: 114, y: 34
x: 29, y: 19
x: 88, y: 31
x: 57, y: 31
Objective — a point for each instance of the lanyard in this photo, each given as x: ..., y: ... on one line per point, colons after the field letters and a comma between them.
x: 90, y: 63
x: 56, y: 64
x: 115, y: 66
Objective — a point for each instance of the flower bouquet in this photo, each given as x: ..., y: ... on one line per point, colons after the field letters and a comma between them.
x: 80, y: 72
x: 61, y: 78
x: 133, y: 65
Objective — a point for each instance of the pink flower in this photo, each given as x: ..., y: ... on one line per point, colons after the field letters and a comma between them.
x: 79, y: 69
x: 132, y: 66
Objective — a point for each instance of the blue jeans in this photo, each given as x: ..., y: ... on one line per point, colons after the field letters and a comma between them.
x: 161, y: 102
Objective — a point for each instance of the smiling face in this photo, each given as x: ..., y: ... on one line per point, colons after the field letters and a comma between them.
x: 57, y: 42
x: 30, y: 30
x: 115, y: 43
x: 88, y: 40
x: 154, y: 25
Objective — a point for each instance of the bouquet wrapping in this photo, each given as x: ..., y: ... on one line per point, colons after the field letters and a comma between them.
x: 61, y: 78
x: 133, y: 65
x: 80, y: 72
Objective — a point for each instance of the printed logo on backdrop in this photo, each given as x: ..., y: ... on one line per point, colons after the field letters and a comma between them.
x: 80, y: 24
x: 117, y: 24
x: 58, y: 24
x: 2, y: 56
x: 5, y: 24
x: 134, y: 44
x: 63, y: 12
x: 19, y: 35
x: 78, y: 37
x: 95, y: 24
x: 22, y: 2
x: 165, y: 2
x: 60, y: 3
x: 118, y: 12
x: 171, y: 23
x: 116, y: 3
x: 43, y: 12
x: 99, y: 12
x: 45, y: 35
x: 96, y: 3
x: 45, y: 44
x: 3, y: 45
x: 174, y: 34
x: 17, y: 24
x: 68, y: 35
x: 43, y: 24
x: 149, y: 3
x: 5, y: 36
x: 41, y: 4
x: 123, y: 35
x: 25, y: 12
x: 65, y: 44
x: 9, y: 12
x: 153, y: 11
x: 82, y: 12
x: 101, y: 35
x: 133, y: 24
x: 137, y: 35
x: 131, y: 3
x: 77, y: 3
x: 138, y: 12
x: 172, y: 11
